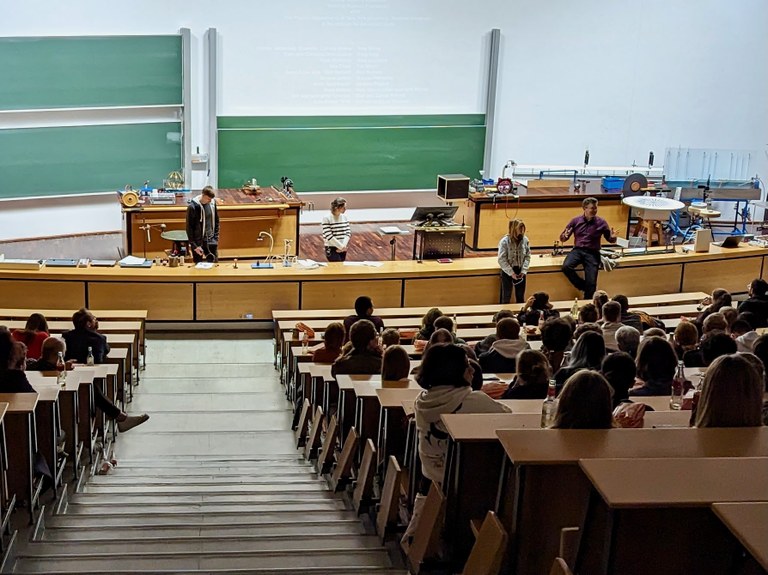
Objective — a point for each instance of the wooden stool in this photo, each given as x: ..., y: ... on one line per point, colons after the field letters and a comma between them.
x: 651, y: 228
x: 706, y: 214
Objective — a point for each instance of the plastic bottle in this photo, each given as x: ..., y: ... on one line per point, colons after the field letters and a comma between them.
x: 61, y: 370
x: 678, y: 387
x: 575, y: 308
x: 549, y: 408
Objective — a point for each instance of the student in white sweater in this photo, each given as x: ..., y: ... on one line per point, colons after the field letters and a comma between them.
x: 336, y: 231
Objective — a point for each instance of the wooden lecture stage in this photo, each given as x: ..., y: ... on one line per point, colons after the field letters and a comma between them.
x: 226, y: 293
x: 545, y: 211
x: 242, y: 217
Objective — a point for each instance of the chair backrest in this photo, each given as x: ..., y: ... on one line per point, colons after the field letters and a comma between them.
x: 488, y: 551
x: 560, y: 567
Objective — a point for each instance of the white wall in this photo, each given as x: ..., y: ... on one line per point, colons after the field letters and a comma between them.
x: 620, y: 78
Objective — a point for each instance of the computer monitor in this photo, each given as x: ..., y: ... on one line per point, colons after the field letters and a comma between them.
x: 434, y: 214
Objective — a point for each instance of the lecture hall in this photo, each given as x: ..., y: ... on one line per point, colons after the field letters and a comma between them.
x: 241, y: 244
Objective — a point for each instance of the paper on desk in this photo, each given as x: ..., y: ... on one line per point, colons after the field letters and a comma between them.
x: 132, y: 261
x: 390, y: 230
x: 309, y: 264
x: 204, y: 265
x: 364, y: 264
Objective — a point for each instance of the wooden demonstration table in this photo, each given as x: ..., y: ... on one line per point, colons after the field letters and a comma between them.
x: 242, y: 217
x: 227, y: 293
x: 545, y: 211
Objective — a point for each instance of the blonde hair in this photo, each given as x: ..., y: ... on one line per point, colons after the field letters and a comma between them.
x: 731, y: 394
x: 516, y: 227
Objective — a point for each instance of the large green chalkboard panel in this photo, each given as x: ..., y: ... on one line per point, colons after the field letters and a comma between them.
x: 86, y: 159
x: 329, y: 153
x: 96, y: 71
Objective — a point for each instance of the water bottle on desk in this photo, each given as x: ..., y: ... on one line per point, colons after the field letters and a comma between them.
x: 678, y: 387
x: 61, y: 370
x: 549, y: 409
x: 89, y: 361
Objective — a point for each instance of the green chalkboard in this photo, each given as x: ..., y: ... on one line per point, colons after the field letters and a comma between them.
x: 345, y: 153
x: 86, y: 159
x: 96, y: 71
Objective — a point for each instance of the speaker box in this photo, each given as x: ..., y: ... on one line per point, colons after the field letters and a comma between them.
x: 453, y: 186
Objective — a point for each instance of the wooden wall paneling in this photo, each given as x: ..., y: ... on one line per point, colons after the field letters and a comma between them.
x: 640, y: 280
x: 224, y: 301
x: 554, y: 283
x: 163, y: 301
x: 733, y: 274
x: 42, y: 294
x: 452, y: 290
x: 342, y: 294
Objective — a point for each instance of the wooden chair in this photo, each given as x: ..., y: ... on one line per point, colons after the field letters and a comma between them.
x: 315, y: 436
x: 426, y: 539
x: 487, y: 553
x: 390, y: 497
x: 303, y: 426
x: 325, y: 459
x: 560, y: 567
x: 364, y: 487
x: 343, y: 472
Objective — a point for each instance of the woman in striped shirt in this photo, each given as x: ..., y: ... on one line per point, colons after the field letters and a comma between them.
x: 336, y: 231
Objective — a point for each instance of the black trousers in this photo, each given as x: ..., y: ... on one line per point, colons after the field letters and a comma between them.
x: 208, y: 248
x: 105, y: 404
x: 334, y: 255
x: 507, y: 283
x: 590, y: 260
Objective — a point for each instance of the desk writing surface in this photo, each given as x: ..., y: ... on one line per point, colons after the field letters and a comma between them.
x: 3, y: 409
x: 671, y: 482
x: 676, y: 418
x: 47, y: 392
x: 749, y: 523
x: 567, y: 446
x: 19, y: 402
x: 398, y: 397
x: 483, y: 426
x: 523, y: 405
x: 407, y: 405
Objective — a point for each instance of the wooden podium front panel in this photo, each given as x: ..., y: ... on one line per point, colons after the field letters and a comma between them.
x: 732, y: 275
x: 163, y: 301
x: 342, y: 294
x: 225, y: 301
x: 452, y: 291
x: 43, y: 294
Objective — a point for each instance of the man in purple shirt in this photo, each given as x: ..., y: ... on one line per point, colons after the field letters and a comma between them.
x: 586, y: 231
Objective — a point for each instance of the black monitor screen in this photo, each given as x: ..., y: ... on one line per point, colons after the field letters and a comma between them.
x: 434, y: 213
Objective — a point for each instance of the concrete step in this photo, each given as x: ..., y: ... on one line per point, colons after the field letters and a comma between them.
x: 81, y: 532
x: 271, y: 459
x: 216, y: 544
x: 205, y: 508
x: 135, y: 499
x: 131, y: 475
x: 252, y: 570
x: 186, y: 488
x: 111, y: 517
x: 158, y: 562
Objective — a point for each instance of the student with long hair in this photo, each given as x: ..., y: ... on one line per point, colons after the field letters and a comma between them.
x: 514, y: 258
x: 731, y: 394
x: 532, y: 379
x: 587, y: 353
x: 585, y: 402
x: 330, y: 349
x: 33, y: 335
x: 656, y: 364
x: 395, y: 366
x: 336, y: 231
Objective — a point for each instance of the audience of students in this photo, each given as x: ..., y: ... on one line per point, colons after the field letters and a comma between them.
x: 503, y: 353
x: 33, y: 335
x: 330, y: 349
x: 365, y: 355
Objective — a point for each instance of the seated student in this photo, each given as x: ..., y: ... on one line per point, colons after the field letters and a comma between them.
x: 501, y: 357
x: 485, y: 344
x: 532, y: 379
x: 446, y: 323
x: 365, y: 355
x: 628, y: 339
x: 712, y: 304
x: 685, y: 338
x: 619, y: 369
x: 363, y: 310
x: 713, y: 323
x: 716, y: 344
x: 655, y: 332
x: 588, y: 314
x: 587, y: 353
x: 390, y: 337
x: 585, y: 327
x: 47, y: 362
x: 744, y: 336
x: 730, y: 314
x: 656, y: 365
x: 537, y: 308
x: 438, y: 336
x: 395, y: 366
x: 731, y: 394
x: 84, y: 336
x: 556, y: 336
x: 627, y: 317
x: 760, y: 349
x: 611, y: 322
x: 33, y: 335
x: 330, y: 349
x: 599, y: 299
x: 12, y: 363
x: 584, y: 403
x: 757, y: 302
x: 428, y: 324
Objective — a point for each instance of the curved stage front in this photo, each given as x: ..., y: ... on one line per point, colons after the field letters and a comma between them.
x: 225, y: 293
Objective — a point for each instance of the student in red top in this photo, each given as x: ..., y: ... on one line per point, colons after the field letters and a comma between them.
x: 586, y: 230
x: 33, y: 335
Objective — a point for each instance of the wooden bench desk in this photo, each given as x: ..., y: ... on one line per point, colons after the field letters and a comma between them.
x: 48, y: 425
x: 663, y: 507
x: 19, y: 422
x: 540, y: 462
x: 392, y: 421
x: 7, y: 502
x: 748, y: 522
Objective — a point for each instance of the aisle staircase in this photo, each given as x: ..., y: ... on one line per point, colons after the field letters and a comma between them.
x: 201, y: 512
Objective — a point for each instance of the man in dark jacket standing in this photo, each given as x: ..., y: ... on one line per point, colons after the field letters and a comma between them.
x: 203, y: 226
